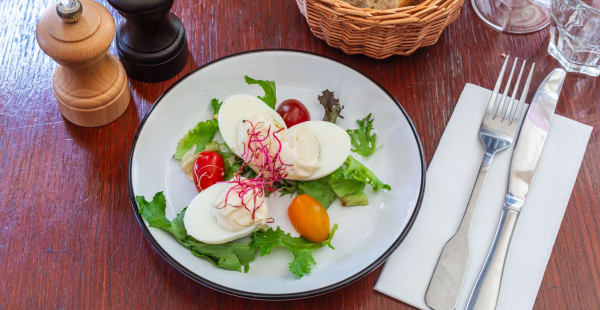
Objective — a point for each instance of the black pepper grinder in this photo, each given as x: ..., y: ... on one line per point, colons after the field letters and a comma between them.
x: 151, y: 42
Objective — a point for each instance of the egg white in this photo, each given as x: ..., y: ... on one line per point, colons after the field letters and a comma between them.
x: 232, y: 113
x: 201, y: 223
x: 334, y: 144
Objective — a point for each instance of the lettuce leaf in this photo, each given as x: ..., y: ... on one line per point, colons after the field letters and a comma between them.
x: 355, y: 199
x: 197, y: 137
x: 216, y: 106
x: 363, y: 142
x: 230, y: 256
x: 349, y: 181
x: 266, y: 241
x: 333, y: 108
x: 285, y: 187
x: 352, y: 173
x: 270, y: 97
x: 318, y: 189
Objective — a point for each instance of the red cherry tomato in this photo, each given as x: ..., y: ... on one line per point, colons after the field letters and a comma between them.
x: 293, y: 112
x: 209, y: 168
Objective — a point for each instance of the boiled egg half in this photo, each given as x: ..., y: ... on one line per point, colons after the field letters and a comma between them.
x: 308, y: 150
x: 217, y: 215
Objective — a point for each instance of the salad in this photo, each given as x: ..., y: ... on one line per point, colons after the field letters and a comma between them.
x: 252, y: 149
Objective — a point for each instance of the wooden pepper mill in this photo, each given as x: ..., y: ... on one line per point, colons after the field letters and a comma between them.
x: 151, y: 42
x: 90, y: 85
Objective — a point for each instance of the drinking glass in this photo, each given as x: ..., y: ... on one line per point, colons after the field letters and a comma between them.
x: 514, y: 16
x: 575, y: 35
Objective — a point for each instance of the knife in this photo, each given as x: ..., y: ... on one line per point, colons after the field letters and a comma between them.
x: 526, y: 156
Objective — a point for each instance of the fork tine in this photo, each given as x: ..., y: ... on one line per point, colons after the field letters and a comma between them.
x: 492, y: 101
x: 502, y: 102
x: 521, y: 106
x: 508, y: 112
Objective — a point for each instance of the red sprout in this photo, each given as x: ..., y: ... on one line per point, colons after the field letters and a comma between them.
x: 269, y: 167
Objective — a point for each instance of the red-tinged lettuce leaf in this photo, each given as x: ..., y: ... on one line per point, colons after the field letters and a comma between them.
x: 332, y: 106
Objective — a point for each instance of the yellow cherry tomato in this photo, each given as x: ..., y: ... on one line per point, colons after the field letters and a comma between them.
x: 309, y: 218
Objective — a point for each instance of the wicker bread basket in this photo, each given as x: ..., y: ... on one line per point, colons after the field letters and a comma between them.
x: 379, y: 33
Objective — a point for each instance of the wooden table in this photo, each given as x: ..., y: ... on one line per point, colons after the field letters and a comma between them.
x: 68, y: 236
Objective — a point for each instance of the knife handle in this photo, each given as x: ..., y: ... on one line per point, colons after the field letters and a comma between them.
x: 487, y: 288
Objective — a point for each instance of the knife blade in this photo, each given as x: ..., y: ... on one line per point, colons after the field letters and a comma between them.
x: 534, y: 132
x: 525, y: 159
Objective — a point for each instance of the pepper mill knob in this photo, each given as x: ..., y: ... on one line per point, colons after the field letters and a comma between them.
x: 151, y: 42
x: 90, y: 85
x: 69, y: 10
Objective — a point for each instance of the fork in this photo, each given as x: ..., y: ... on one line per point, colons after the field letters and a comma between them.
x: 497, y: 132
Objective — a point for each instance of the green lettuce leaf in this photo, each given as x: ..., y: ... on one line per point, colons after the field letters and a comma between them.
x: 154, y: 213
x: 266, y: 241
x: 356, y: 199
x: 363, y: 142
x: 197, y: 137
x: 270, y: 97
x: 216, y: 105
x: 352, y: 172
x: 284, y: 187
x: 343, y: 185
x: 230, y: 256
x: 348, y: 182
x: 318, y: 189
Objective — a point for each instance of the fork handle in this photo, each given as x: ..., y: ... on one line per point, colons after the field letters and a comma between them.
x: 448, y: 276
x: 465, y: 223
x: 487, y: 288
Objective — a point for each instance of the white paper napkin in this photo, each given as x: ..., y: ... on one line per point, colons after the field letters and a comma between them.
x: 450, y: 178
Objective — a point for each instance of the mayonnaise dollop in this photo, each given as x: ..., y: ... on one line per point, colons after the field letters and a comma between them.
x: 262, y: 124
x: 301, y: 149
x: 298, y: 148
x: 233, y: 215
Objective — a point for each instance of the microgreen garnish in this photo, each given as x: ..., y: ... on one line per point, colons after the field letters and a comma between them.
x: 270, y: 169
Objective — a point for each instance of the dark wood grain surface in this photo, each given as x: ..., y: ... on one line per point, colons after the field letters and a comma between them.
x: 68, y: 236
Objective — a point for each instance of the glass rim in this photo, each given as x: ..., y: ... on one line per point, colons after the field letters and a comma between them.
x: 596, y: 10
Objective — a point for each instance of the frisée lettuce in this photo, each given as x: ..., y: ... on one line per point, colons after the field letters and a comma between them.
x: 363, y: 141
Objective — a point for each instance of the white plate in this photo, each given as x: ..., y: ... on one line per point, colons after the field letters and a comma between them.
x: 366, y: 235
